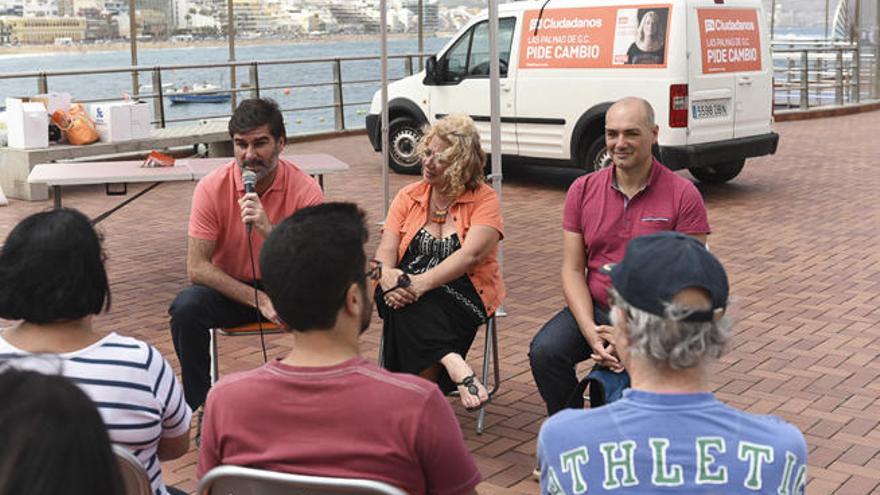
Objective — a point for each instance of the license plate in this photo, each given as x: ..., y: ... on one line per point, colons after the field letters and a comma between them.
x: 711, y: 109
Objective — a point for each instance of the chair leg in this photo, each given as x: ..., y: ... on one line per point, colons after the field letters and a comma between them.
x: 381, y: 349
x: 215, y: 365
x: 489, y: 353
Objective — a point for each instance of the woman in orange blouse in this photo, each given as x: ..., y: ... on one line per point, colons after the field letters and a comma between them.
x: 442, y: 234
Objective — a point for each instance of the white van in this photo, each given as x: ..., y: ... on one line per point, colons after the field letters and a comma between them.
x: 705, y: 66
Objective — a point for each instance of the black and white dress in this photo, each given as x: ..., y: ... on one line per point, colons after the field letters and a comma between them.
x: 443, y: 320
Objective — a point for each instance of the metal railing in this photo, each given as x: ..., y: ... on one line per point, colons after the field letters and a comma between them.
x: 254, y: 86
x: 810, y: 76
x: 805, y: 76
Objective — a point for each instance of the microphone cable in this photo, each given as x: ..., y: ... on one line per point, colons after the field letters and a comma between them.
x: 250, y: 244
x: 257, y: 298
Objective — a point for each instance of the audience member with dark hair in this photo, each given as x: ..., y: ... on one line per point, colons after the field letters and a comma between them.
x: 53, y: 439
x: 223, y: 214
x: 323, y: 409
x: 440, y: 248
x: 52, y: 277
x: 669, y: 434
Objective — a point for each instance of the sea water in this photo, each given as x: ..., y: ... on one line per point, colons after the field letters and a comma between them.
x: 287, y: 77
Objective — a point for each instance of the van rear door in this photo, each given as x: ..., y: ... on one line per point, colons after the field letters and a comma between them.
x: 730, y: 83
x: 712, y: 94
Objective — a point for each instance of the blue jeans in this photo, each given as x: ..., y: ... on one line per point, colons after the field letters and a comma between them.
x: 553, y: 354
x: 194, y: 311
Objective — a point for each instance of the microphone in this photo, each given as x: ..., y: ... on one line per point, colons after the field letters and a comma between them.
x: 249, y: 177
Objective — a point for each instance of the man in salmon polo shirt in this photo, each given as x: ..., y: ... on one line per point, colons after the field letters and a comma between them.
x: 634, y: 196
x: 324, y: 410
x: 223, y: 217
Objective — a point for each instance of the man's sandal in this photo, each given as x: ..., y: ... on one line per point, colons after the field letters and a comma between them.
x: 468, y: 383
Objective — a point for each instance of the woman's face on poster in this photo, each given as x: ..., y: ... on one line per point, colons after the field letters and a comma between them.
x: 650, y: 24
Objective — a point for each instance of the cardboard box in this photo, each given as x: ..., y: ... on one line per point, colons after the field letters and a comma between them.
x: 140, y: 120
x: 112, y: 121
x: 27, y: 124
x: 121, y: 120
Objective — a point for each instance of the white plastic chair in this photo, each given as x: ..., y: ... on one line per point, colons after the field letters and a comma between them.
x: 135, y: 479
x: 237, y: 480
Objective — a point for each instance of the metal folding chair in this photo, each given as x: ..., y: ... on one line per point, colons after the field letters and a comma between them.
x: 269, y: 328
x: 135, y: 479
x: 236, y: 480
x: 490, y: 352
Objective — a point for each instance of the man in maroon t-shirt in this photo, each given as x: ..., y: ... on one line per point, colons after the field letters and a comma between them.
x: 603, y: 211
x: 324, y: 410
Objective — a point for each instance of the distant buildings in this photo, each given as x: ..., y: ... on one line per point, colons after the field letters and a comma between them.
x: 160, y: 19
x: 44, y: 29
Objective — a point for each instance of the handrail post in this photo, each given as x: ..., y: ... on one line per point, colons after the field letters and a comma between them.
x: 233, y: 100
x: 254, y: 80
x: 805, y: 80
x: 788, y: 83
x: 408, y: 65
x: 338, y: 103
x: 158, y: 97
x: 876, y: 74
x: 42, y: 83
x: 838, y: 78
x: 857, y: 68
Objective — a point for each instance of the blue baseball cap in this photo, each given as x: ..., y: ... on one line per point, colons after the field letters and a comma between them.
x: 658, y: 266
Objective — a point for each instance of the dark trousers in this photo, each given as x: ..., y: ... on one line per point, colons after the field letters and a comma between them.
x: 194, y: 311
x: 553, y: 354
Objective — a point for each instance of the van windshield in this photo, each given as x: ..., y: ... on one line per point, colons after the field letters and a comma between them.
x: 469, y: 56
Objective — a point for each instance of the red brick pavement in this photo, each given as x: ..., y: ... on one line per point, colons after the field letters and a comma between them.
x: 796, y: 231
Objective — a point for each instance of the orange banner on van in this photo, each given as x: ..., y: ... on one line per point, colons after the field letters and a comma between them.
x: 595, y: 37
x: 730, y: 40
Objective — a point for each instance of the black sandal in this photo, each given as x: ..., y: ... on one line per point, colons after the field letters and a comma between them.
x: 468, y: 382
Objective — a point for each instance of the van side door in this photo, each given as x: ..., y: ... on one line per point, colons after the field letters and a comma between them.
x: 462, y: 84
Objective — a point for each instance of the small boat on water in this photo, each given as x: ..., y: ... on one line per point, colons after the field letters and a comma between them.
x: 199, y: 93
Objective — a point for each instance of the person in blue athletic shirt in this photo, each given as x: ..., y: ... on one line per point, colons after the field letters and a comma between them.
x: 669, y: 434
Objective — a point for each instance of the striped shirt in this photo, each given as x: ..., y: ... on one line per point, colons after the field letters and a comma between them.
x: 135, y: 390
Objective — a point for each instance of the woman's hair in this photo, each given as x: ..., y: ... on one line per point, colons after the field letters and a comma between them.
x: 464, y: 154
x: 649, y: 39
x: 54, y: 440
x: 52, y: 269
x: 667, y: 341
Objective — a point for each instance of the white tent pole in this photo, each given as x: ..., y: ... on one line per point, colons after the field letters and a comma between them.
x: 495, y: 116
x: 383, y: 21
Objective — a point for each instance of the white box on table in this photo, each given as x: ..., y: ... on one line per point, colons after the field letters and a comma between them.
x: 27, y: 124
x: 140, y: 120
x: 121, y: 120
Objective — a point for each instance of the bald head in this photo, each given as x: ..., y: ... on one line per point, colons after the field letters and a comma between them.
x: 640, y: 106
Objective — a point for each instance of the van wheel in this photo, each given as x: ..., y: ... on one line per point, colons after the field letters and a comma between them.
x: 402, y: 142
x: 718, y: 173
x: 596, y: 156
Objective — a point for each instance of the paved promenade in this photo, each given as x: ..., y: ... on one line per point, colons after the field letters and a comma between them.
x: 798, y: 233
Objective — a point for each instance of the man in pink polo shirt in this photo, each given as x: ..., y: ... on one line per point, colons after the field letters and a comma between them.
x: 222, y: 221
x: 604, y: 210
